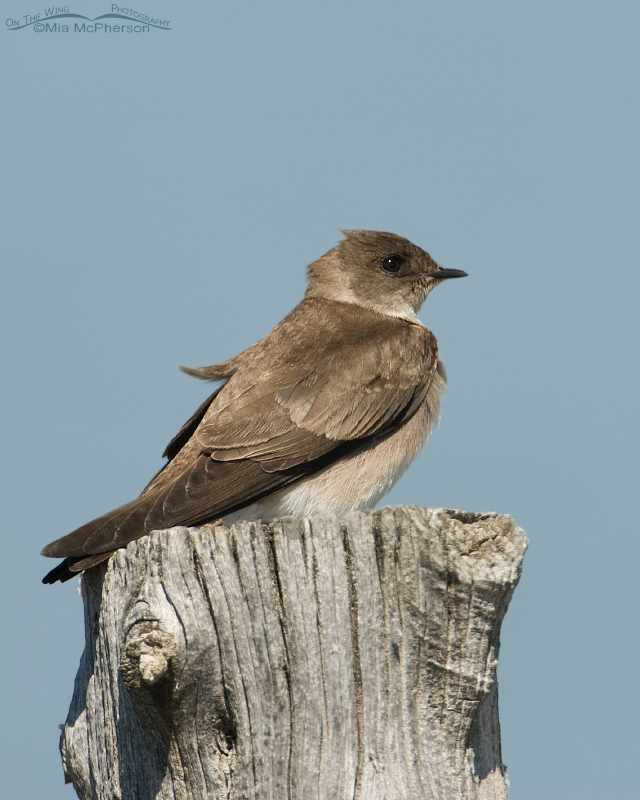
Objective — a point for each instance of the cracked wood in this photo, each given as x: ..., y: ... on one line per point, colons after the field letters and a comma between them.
x: 325, y: 658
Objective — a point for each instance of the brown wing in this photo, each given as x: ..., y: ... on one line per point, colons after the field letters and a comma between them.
x: 347, y: 393
x: 330, y: 377
x: 188, y: 429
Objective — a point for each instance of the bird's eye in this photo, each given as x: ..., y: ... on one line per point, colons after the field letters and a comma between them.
x: 392, y: 264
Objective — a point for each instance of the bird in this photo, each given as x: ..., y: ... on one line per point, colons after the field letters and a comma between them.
x: 321, y: 416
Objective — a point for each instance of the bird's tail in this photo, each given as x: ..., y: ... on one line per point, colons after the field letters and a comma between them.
x: 70, y: 567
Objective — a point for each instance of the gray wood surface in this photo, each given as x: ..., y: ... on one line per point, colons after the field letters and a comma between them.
x: 324, y: 658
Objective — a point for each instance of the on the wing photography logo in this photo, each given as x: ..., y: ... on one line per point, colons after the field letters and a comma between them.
x: 59, y: 19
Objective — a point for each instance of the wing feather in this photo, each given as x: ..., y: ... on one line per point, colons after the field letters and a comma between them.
x: 329, y: 378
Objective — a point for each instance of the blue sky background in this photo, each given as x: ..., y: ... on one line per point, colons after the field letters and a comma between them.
x: 161, y: 196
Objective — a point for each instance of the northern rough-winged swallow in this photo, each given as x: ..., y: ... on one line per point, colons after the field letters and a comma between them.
x: 322, y: 416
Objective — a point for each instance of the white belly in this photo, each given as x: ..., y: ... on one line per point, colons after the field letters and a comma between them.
x: 357, y: 481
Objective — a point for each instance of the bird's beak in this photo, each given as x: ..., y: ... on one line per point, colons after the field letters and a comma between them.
x: 441, y: 274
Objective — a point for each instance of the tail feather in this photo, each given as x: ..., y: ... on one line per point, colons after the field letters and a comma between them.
x: 187, y: 500
x: 70, y: 567
x: 104, y: 529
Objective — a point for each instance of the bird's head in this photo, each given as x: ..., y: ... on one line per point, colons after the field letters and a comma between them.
x: 377, y: 270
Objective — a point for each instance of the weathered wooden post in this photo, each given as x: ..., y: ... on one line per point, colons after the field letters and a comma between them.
x: 325, y: 658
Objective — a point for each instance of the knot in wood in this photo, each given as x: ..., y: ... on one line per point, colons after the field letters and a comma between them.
x: 148, y: 655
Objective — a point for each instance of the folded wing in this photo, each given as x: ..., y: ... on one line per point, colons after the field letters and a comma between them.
x: 328, y: 378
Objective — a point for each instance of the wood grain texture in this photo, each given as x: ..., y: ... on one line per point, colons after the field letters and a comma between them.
x: 332, y: 659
